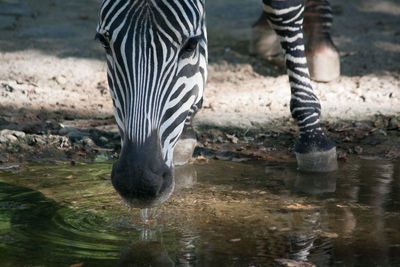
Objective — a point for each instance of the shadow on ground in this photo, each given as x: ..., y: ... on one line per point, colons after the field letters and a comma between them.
x: 365, y: 32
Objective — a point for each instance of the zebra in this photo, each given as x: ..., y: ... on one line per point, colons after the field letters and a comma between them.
x: 156, y: 53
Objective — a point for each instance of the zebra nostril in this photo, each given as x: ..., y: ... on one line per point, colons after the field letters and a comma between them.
x: 165, y: 175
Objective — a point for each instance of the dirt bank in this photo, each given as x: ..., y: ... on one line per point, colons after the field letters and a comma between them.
x: 54, y: 100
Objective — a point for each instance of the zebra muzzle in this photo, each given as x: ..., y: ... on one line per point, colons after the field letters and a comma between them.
x: 141, y: 176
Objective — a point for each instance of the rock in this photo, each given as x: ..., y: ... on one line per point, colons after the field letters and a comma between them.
x: 19, y: 134
x: 10, y: 167
x: 3, y: 139
x: 380, y: 122
x: 394, y: 124
x: 66, y: 130
x: 72, y: 133
x: 232, y: 139
x: 103, y: 140
x: 76, y: 136
x: 31, y: 140
x: 10, y: 136
x: 88, y: 142
x: 53, y: 126
x: 40, y: 140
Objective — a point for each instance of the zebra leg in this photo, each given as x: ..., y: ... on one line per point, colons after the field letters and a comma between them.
x: 322, y: 56
x: 186, y: 144
x: 264, y: 42
x: 314, y: 151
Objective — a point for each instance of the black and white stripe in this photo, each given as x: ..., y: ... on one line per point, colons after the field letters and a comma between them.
x: 286, y: 18
x: 157, y: 58
x: 319, y: 11
x: 157, y: 66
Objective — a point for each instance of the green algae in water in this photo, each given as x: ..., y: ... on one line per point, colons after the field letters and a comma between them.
x: 228, y: 214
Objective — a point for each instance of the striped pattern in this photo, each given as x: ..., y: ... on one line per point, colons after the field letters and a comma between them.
x: 157, y: 66
x: 286, y: 18
x: 319, y: 12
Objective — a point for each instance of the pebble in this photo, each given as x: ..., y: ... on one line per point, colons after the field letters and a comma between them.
x: 88, y: 142
x: 103, y: 139
x: 60, y: 80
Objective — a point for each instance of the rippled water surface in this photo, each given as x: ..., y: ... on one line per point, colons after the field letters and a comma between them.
x: 222, y: 214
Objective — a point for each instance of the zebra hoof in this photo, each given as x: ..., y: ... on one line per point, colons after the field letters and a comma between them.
x: 323, y: 63
x: 264, y: 42
x: 324, y: 161
x: 183, y: 151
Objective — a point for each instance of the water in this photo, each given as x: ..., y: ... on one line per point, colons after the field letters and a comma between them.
x: 222, y: 214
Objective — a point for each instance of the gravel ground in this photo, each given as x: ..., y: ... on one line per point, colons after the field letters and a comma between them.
x: 53, y: 82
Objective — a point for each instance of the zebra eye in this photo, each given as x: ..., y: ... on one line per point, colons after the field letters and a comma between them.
x: 191, y: 45
x: 103, y: 40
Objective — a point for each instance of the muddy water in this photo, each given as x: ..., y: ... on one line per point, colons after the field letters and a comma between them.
x: 222, y: 214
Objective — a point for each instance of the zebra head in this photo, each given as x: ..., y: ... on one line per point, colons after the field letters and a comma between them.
x: 157, y: 67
